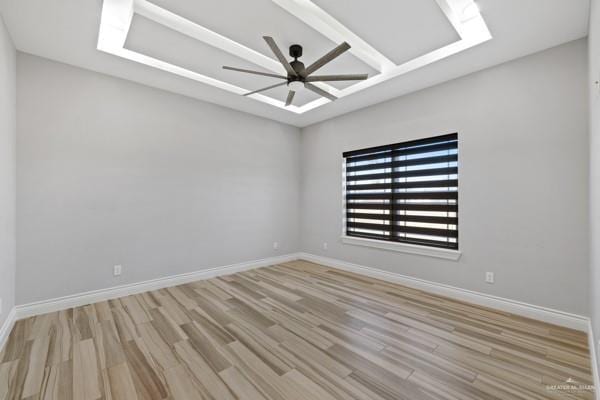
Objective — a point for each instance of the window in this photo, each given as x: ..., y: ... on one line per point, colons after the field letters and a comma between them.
x: 405, y: 192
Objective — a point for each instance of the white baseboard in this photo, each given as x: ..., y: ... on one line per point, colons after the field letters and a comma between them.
x: 80, y: 299
x: 549, y: 315
x: 7, y: 326
x: 516, y: 307
x: 594, y: 358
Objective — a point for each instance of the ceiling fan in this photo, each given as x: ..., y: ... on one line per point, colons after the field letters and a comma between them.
x: 299, y: 76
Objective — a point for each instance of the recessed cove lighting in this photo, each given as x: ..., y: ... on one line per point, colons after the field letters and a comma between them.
x: 117, y: 16
x: 470, y: 11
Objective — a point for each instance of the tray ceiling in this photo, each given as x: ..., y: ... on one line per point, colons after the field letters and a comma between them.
x: 194, y: 39
x: 180, y: 45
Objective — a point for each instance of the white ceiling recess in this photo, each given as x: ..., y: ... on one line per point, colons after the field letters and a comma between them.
x: 456, y: 24
x: 181, y: 45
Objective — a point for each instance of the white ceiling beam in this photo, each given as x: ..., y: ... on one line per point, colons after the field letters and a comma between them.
x: 114, y: 24
x: 326, y: 25
x: 205, y: 35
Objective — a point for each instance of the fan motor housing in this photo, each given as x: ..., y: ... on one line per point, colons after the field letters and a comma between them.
x: 298, y: 66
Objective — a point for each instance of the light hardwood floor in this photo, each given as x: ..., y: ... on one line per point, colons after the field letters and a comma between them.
x: 295, y: 331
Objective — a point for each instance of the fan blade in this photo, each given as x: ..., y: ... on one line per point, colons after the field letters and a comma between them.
x: 319, y: 91
x: 290, y: 97
x: 248, y: 71
x: 275, y: 49
x: 267, y: 88
x: 338, y: 51
x: 330, y: 78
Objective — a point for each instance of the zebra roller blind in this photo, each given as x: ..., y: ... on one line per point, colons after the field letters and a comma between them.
x: 405, y: 192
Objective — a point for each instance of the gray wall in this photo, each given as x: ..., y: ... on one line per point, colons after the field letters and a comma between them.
x: 594, y: 58
x: 523, y: 133
x: 7, y: 171
x: 111, y: 172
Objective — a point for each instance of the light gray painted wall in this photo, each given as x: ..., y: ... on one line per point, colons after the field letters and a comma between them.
x: 111, y: 172
x: 594, y: 58
x: 136, y: 176
x: 523, y: 177
x: 8, y: 132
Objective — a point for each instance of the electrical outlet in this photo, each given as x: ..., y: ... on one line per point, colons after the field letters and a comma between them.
x: 325, y: 246
x: 117, y: 270
x: 275, y: 245
x: 489, y: 277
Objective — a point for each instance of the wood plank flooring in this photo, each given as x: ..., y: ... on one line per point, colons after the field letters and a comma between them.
x: 294, y: 331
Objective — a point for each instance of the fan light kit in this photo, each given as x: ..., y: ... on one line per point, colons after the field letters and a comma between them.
x: 299, y: 76
x: 295, y: 85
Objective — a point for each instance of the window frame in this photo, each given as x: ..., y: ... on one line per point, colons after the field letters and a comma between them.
x: 449, y: 253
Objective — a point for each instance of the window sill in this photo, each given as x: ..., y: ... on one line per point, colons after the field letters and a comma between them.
x: 453, y: 255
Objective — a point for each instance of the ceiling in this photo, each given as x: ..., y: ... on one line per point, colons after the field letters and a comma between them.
x: 181, y: 45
